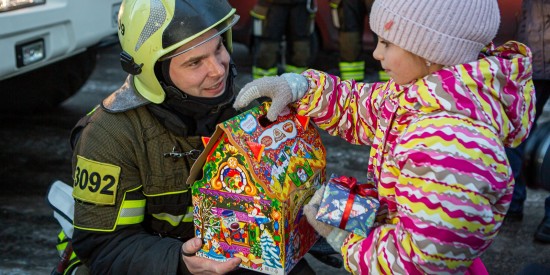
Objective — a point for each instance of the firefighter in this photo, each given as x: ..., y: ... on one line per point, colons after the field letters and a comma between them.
x: 276, y: 21
x: 348, y: 16
x: 133, y: 153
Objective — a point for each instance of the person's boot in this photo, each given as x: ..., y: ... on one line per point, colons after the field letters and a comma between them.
x: 514, y: 216
x: 515, y: 212
x: 543, y: 231
x: 323, y: 252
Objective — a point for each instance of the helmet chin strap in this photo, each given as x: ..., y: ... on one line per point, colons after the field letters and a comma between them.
x: 166, y: 81
x: 165, y: 71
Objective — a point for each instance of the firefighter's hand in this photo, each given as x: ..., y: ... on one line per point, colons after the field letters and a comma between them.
x: 334, y: 236
x: 198, y: 265
x: 282, y: 90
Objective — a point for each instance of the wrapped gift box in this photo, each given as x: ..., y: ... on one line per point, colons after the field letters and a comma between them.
x: 349, y: 205
x: 249, y: 188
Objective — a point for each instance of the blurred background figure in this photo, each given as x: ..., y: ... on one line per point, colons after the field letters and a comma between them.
x: 276, y: 21
x: 535, y: 33
x: 348, y: 16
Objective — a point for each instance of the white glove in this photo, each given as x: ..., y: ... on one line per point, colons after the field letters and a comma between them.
x: 335, y: 236
x: 282, y: 90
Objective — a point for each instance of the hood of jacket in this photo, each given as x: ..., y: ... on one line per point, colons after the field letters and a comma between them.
x: 496, y: 89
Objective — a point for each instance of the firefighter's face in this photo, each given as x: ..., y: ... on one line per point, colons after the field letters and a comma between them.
x: 202, y: 71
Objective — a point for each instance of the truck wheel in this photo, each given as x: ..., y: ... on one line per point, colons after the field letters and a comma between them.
x: 47, y: 87
x: 536, y: 159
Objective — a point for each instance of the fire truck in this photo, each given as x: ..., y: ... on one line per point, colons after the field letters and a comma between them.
x: 49, y: 47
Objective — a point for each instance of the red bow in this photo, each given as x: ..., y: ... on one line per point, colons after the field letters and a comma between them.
x: 364, y: 190
x: 354, y: 188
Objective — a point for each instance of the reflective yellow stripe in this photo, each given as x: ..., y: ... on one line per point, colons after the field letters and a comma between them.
x: 256, y: 15
x: 126, y: 215
x: 171, y: 219
x: 259, y: 72
x: 73, y: 256
x: 294, y: 69
x: 72, y: 265
x: 352, y: 70
x: 131, y: 212
x: 175, y: 220
x: 61, y: 242
x: 356, y: 65
x: 93, y: 110
x: 61, y: 236
x: 189, y: 215
x: 383, y: 76
x: 167, y: 193
x: 352, y: 75
x: 61, y: 247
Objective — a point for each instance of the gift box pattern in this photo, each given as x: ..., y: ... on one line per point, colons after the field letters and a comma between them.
x: 256, y: 177
x: 361, y: 213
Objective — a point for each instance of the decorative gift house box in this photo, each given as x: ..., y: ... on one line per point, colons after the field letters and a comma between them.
x: 349, y: 205
x: 256, y: 177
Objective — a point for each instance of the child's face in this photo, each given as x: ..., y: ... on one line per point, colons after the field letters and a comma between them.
x: 402, y: 66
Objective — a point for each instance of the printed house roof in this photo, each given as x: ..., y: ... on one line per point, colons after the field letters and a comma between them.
x: 279, y: 155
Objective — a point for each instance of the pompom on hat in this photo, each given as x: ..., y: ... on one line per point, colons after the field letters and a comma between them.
x: 446, y: 32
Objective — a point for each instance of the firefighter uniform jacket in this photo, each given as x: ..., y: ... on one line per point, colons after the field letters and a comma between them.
x: 130, y: 164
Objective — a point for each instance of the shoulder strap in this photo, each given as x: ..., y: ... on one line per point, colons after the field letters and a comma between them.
x: 77, y: 129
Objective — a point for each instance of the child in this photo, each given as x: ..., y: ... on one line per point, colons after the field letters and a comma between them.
x: 437, y: 129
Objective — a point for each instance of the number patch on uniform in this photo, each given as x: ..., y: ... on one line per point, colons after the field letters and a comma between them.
x: 95, y: 182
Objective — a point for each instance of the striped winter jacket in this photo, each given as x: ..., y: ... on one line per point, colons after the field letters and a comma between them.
x: 437, y: 157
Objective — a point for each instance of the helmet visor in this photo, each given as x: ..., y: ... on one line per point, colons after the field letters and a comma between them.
x: 221, y: 28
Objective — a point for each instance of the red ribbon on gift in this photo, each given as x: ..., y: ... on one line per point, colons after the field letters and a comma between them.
x: 354, y: 188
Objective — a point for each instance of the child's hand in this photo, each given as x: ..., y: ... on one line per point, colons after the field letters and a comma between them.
x: 335, y: 236
x: 311, y: 209
x: 282, y: 90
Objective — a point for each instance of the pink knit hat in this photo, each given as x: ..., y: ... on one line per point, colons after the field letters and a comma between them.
x: 446, y: 32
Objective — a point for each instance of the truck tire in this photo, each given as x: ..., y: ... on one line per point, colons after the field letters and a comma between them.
x: 45, y: 88
x: 536, y: 159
